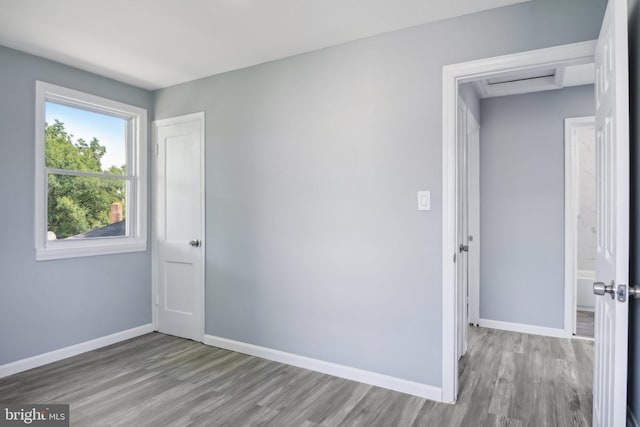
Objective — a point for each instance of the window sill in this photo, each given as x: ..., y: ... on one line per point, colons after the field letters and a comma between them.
x: 85, y: 250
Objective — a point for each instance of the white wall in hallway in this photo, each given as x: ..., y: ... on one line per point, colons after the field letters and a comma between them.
x: 587, y: 198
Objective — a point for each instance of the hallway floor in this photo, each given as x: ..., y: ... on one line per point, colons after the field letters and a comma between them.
x: 507, y: 378
x: 585, y: 324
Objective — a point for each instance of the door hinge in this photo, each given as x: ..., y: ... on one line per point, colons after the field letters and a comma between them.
x: 454, y: 257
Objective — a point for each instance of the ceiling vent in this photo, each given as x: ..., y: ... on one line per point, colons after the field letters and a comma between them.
x: 521, y: 82
x: 525, y: 75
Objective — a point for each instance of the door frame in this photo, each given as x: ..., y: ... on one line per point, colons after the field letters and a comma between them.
x: 452, y: 76
x: 571, y: 199
x: 200, y: 116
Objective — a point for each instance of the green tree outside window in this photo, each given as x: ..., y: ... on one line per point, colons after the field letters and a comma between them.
x: 77, y: 204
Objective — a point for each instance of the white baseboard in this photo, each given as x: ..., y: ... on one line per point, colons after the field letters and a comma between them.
x: 631, y: 419
x: 578, y: 337
x: 73, y: 350
x: 525, y: 329
x: 367, y: 377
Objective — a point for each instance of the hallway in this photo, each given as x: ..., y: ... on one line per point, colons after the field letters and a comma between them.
x: 508, y: 378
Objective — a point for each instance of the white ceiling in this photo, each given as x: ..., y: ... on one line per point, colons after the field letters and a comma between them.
x: 159, y: 43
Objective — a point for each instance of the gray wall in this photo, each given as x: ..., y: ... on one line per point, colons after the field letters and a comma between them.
x: 315, y: 246
x: 522, y: 204
x: 53, y: 304
x: 634, y: 309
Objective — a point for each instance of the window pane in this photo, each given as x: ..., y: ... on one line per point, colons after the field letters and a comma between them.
x: 81, y: 207
x: 78, y: 139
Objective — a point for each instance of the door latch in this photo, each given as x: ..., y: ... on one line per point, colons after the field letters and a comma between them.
x: 464, y: 248
x: 621, y: 291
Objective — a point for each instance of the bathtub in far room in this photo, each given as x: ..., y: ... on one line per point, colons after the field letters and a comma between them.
x: 585, y: 297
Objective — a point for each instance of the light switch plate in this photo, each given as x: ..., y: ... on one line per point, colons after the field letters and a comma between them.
x: 424, y: 200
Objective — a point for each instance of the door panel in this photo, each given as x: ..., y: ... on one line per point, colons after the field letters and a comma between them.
x: 463, y: 232
x: 612, y: 206
x: 473, y: 190
x: 180, y: 226
x: 178, y: 292
x: 182, y: 202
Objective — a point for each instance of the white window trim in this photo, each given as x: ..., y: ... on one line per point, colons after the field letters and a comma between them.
x: 136, y: 239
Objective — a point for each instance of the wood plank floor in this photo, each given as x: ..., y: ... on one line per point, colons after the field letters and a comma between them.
x: 585, y: 324
x: 507, y: 379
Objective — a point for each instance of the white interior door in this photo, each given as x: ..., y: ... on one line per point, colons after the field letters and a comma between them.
x: 180, y: 226
x: 463, y: 232
x: 473, y: 188
x: 612, y: 206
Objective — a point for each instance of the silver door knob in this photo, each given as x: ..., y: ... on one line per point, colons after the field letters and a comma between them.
x: 194, y: 243
x: 599, y: 288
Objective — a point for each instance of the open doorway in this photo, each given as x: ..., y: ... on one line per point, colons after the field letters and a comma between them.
x: 610, y: 56
x: 520, y: 221
x: 512, y: 197
x: 580, y: 223
x: 521, y: 73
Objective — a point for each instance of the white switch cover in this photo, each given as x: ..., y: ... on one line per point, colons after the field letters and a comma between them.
x: 424, y: 200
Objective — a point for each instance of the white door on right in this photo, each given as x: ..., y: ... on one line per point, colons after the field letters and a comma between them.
x: 612, y: 206
x: 463, y: 232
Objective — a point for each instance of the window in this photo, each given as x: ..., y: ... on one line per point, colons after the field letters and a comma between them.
x: 90, y: 174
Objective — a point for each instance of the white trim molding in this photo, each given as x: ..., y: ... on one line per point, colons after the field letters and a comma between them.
x: 367, y: 377
x: 524, y: 329
x: 72, y: 350
x: 452, y: 76
x: 135, y: 239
